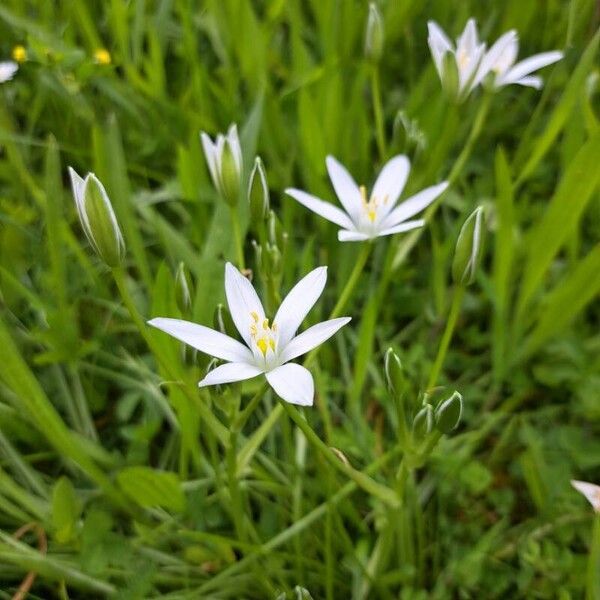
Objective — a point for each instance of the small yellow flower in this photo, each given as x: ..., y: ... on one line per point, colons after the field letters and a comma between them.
x: 19, y: 53
x: 102, y: 56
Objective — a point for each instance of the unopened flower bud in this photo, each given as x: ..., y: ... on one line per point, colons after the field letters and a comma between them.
x: 258, y: 194
x: 467, y: 254
x: 374, y: 36
x: 423, y: 422
x: 273, y: 256
x: 224, y: 159
x: 394, y: 373
x: 98, y: 218
x: 183, y: 288
x: 448, y: 413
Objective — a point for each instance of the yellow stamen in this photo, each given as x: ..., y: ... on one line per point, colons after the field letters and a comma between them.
x: 19, y: 53
x: 254, y: 315
x: 266, y: 324
x: 102, y: 56
x: 363, y: 194
x: 262, y: 345
x: 272, y: 344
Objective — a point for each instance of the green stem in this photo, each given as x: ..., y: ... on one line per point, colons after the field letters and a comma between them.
x: 378, y: 111
x: 361, y: 479
x: 593, y: 580
x: 359, y: 265
x: 237, y: 237
x: 234, y: 488
x: 243, y: 415
x: 459, y: 292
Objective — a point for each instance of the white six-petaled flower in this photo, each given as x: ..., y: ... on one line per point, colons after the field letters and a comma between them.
x: 269, y: 346
x: 367, y: 217
x: 500, y: 62
x: 224, y: 160
x: 8, y: 68
x: 590, y: 491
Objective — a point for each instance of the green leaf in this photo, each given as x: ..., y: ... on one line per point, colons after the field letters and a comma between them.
x: 150, y: 488
x: 66, y: 509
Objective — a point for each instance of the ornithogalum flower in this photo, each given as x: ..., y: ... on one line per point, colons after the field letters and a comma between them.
x: 366, y: 217
x: 457, y: 65
x: 98, y: 218
x: 8, y: 68
x: 224, y: 159
x: 590, y: 491
x: 269, y: 346
x: 499, y: 63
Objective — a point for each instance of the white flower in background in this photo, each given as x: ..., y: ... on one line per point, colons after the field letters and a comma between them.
x: 224, y: 159
x: 367, y: 217
x: 590, y: 491
x: 499, y: 61
x: 8, y: 69
x: 268, y: 346
x: 456, y: 66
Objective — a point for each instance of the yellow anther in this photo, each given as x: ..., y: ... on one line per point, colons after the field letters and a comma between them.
x: 262, y: 345
x: 363, y: 193
x: 19, y: 53
x: 272, y: 344
x: 266, y: 324
x: 371, y: 214
x: 102, y: 56
x: 254, y: 315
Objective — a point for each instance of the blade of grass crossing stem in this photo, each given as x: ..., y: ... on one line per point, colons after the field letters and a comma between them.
x: 503, y: 258
x: 575, y: 190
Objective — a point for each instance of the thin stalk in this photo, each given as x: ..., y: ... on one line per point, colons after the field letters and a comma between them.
x: 459, y: 292
x: 243, y: 415
x: 592, y: 591
x: 359, y: 265
x: 378, y: 111
x: 364, y: 481
x: 234, y: 489
x: 237, y: 237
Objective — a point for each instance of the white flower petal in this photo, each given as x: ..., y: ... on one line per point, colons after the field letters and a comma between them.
x: 415, y: 204
x: 590, y: 491
x: 243, y: 301
x: 8, y: 68
x: 467, y: 73
x: 500, y: 57
x: 439, y: 44
x: 531, y: 81
x: 391, y: 182
x: 312, y: 337
x: 202, y: 338
x: 325, y: 209
x: 345, y: 187
x: 296, y: 305
x: 234, y: 144
x: 293, y: 383
x: 352, y: 236
x: 469, y: 39
x: 531, y: 64
x: 406, y: 226
x: 229, y: 373
x: 210, y: 153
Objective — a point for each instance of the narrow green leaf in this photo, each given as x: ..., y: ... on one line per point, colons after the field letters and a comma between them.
x: 149, y: 487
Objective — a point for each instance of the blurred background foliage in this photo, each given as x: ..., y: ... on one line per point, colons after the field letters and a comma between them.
x: 123, y: 474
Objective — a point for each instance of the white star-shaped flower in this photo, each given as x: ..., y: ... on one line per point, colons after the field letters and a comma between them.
x: 366, y: 217
x: 269, y: 346
x: 8, y: 68
x: 500, y: 61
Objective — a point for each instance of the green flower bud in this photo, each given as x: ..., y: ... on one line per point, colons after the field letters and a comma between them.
x: 183, y: 288
x: 450, y: 75
x: 448, y: 413
x: 423, y: 422
x: 224, y: 159
x: 374, y: 36
x: 277, y: 237
x: 273, y: 257
x: 394, y: 373
x: 467, y: 254
x: 98, y: 218
x: 258, y: 194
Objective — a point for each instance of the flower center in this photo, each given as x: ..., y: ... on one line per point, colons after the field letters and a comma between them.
x: 463, y: 59
x: 371, y: 205
x: 263, y: 335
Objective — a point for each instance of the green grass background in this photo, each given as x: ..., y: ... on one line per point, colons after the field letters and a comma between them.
x: 124, y: 466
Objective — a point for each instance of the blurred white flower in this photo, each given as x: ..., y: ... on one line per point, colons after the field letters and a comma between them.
x: 8, y: 69
x: 456, y: 66
x: 500, y: 59
x: 590, y: 491
x: 224, y: 159
x: 366, y: 217
x: 268, y: 346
